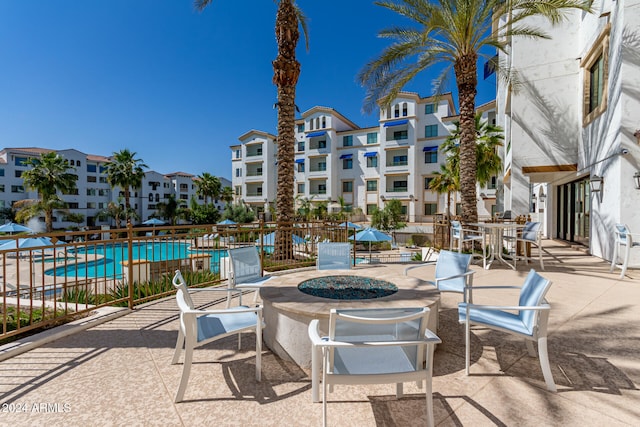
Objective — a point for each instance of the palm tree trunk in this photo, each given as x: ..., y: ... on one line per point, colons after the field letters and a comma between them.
x: 465, y: 68
x: 286, y: 70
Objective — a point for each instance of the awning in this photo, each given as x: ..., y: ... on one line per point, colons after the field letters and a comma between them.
x: 371, y: 154
x: 346, y: 156
x: 430, y: 148
x: 396, y: 123
x: 299, y: 160
x: 312, y: 134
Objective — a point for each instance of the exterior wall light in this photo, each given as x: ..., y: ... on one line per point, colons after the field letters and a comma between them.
x: 636, y: 180
x: 595, y: 183
x: 542, y: 197
x: 637, y: 135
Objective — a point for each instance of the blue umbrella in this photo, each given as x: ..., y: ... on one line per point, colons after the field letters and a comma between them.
x: 227, y: 222
x: 350, y: 225
x: 371, y: 235
x: 269, y: 239
x: 154, y: 222
x: 12, y: 227
x: 27, y: 243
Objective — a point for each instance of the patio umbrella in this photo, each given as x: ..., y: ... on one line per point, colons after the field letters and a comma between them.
x: 154, y: 222
x: 371, y: 235
x: 26, y: 244
x: 226, y: 222
x: 269, y: 239
x: 350, y: 225
x: 12, y: 227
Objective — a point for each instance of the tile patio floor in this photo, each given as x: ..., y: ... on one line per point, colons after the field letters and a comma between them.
x: 118, y: 373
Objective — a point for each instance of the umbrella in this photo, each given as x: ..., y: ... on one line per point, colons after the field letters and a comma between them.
x: 154, y: 222
x: 269, y: 239
x: 227, y: 222
x: 371, y: 235
x: 27, y: 243
x: 350, y: 225
x: 12, y: 227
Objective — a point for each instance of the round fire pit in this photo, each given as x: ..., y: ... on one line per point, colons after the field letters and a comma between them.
x: 347, y: 287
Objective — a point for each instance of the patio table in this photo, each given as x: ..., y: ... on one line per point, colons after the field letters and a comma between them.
x: 496, y: 232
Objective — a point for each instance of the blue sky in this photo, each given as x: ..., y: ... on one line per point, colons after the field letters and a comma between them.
x: 172, y: 84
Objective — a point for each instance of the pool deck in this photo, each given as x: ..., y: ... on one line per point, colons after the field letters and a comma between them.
x: 119, y: 372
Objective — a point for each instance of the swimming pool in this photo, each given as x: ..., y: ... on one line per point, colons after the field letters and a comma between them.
x: 107, y: 258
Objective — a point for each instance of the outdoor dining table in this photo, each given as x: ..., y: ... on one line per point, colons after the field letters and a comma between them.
x: 496, y: 232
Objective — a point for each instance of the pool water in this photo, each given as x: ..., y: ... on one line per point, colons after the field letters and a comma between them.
x: 111, y: 256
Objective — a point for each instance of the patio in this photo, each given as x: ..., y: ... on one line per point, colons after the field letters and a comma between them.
x: 119, y: 372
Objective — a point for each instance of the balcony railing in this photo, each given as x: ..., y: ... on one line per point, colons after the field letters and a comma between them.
x: 397, y: 190
x: 400, y: 163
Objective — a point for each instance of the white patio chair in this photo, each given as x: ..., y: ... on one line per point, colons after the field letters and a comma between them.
x: 623, y: 237
x: 200, y: 327
x: 334, y: 256
x: 374, y: 346
x: 462, y: 235
x: 452, y: 273
x: 246, y: 270
x: 529, y: 320
x: 531, y: 234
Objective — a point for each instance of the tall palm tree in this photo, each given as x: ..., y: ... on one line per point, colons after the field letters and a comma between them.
x: 446, y: 181
x: 286, y: 70
x: 126, y: 172
x: 226, y: 195
x: 208, y: 186
x: 49, y: 174
x: 454, y: 33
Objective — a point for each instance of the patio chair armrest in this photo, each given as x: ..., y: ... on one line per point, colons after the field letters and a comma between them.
x: 468, y: 273
x: 326, y: 342
x: 257, y: 310
x: 475, y: 288
x: 422, y: 264
x: 508, y: 307
x: 431, y: 336
x: 314, y: 333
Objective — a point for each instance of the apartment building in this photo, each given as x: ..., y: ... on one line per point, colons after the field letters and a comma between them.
x: 366, y: 167
x: 572, y: 127
x: 93, y: 193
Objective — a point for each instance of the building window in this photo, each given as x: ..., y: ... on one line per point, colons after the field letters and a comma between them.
x: 493, y: 183
x: 430, y: 131
x: 405, y: 109
x: 596, y: 75
x: 311, y: 124
x: 151, y: 197
x: 372, y: 138
x: 427, y: 182
x: 317, y: 122
x: 431, y: 157
x: 301, y: 189
x: 1, y: 188
x: 399, y: 186
x: 371, y: 209
x: 91, y: 205
x: 238, y: 154
x: 101, y: 205
x: 301, y: 167
x: 429, y: 108
x: 322, y: 166
x: 430, y: 208
x: 347, y: 141
x: 238, y: 190
x: 19, y: 161
x: 300, y: 145
x: 322, y: 144
x: 102, y: 179
x: 372, y: 162
x: 184, y: 187
x: 91, y: 191
x: 372, y: 185
x: 78, y: 163
x: 92, y: 168
x: 184, y: 197
x: 301, y: 127
x: 18, y: 174
x: 17, y: 189
x: 324, y: 122
x: 73, y: 205
x: 347, y: 164
x: 1, y: 172
x: 400, y: 134
x: 399, y: 161
x: 347, y: 186
x: 396, y: 111
x: 238, y: 172
x: 458, y: 208
x: 322, y: 188
x: 91, y: 178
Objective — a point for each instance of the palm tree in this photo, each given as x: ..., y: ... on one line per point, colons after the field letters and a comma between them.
x: 286, y: 70
x: 454, y: 33
x: 48, y: 176
x: 125, y: 171
x: 226, y: 195
x: 446, y: 181
x: 172, y: 209
x: 208, y: 186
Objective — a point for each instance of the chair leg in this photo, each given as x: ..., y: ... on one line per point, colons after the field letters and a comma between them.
x: 186, y: 371
x: 429, y: 393
x: 615, y: 257
x: 259, y: 350
x: 316, y: 360
x: 324, y: 390
x: 179, y: 345
x: 539, y: 245
x: 530, y: 349
x: 625, y: 263
x: 467, y: 344
x: 544, y: 364
x: 399, y: 391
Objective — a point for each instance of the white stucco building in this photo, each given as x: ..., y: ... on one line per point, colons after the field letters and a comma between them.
x: 573, y: 120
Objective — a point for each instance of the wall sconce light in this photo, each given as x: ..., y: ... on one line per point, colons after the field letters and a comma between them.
x: 637, y: 135
x: 533, y: 197
x: 543, y: 197
x: 636, y: 180
x: 596, y: 186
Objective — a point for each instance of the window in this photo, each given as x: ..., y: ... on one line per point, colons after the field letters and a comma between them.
x: 322, y: 188
x: 372, y: 162
x: 427, y: 182
x: 322, y: 144
x: 19, y: 161
x: 92, y: 168
x: 399, y: 186
x: 301, y: 167
x: 72, y: 163
x: 430, y: 208
x: 184, y: 187
x: 259, y: 191
x: 494, y: 211
x: 404, y: 109
x: 91, y: 178
x: 458, y: 208
x: 238, y: 190
x: 317, y: 122
x: 151, y: 197
x: 78, y: 163
x: 18, y: 174
x: 103, y: 169
x: 301, y: 127
x: 396, y: 111
x: 372, y: 138
x: 399, y: 160
x: 300, y: 145
x: 1, y: 172
x: 347, y: 186
x: 430, y: 131
x: 238, y: 172
x: 238, y: 153
x: 429, y: 108
x: 73, y: 205
x: 596, y: 74
x: 431, y: 157
x: 17, y: 189
x: 347, y: 164
x: 1, y: 188
x: 371, y: 209
x: 493, y: 183
x: 102, y: 179
x: 91, y: 191
x: 91, y: 205
x: 347, y: 141
x: 103, y: 192
x: 372, y: 185
x: 184, y: 197
x: 400, y: 134
x: 301, y: 189
x: 101, y: 205
x: 324, y: 122
x: 311, y: 124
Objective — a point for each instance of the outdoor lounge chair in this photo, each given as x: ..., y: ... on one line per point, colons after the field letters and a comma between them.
x: 531, y: 234
x: 462, y: 235
x: 529, y: 320
x: 246, y: 270
x: 374, y: 346
x: 200, y: 327
x: 334, y: 256
x: 623, y: 237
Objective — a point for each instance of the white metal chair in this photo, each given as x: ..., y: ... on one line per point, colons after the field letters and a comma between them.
x: 623, y: 237
x: 374, y: 346
x: 334, y: 256
x: 529, y: 320
x: 199, y: 327
x: 462, y: 235
x: 452, y: 273
x: 246, y: 270
x: 531, y: 234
